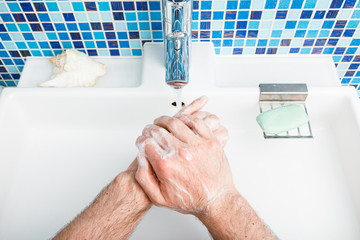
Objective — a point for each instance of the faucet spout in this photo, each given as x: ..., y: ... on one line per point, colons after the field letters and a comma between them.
x: 177, y: 39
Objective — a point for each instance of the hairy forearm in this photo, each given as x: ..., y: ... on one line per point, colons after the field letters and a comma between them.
x: 114, y: 213
x: 234, y: 218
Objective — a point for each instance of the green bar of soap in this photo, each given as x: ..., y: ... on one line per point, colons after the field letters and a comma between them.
x: 282, y: 119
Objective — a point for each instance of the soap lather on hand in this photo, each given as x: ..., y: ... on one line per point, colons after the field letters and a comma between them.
x: 74, y: 69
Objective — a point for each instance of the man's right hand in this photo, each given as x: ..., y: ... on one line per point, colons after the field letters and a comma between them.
x: 186, y: 154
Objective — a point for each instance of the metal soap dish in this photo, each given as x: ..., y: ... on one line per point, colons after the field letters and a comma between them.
x: 277, y: 95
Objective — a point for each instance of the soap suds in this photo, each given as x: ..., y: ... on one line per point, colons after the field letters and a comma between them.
x: 182, y: 190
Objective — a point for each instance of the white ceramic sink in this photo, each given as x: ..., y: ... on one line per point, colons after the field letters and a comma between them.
x: 60, y: 147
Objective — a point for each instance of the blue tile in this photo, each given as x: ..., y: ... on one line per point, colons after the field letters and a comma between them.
x: 319, y: 14
x: 154, y: 5
x: 31, y: 17
x: 104, y: 6
x: 349, y: 33
x: 262, y: 42
x: 355, y: 42
x: 14, y: 7
x: 228, y: 34
x: 229, y: 25
x: 349, y: 4
x: 118, y: 16
x: 72, y: 26
x: 255, y: 15
x: 230, y: 15
x: 336, y: 3
x: 290, y: 25
x: 284, y: 4
x: 260, y: 50
x: 84, y: 26
x: 26, y: 7
x: 352, y: 24
x: 116, y: 5
x: 300, y: 33
x: 44, y: 17
x: 52, y: 6
x: 241, y: 25
x: 340, y: 24
x: 64, y: 36
x: 218, y: 15
x: 124, y: 44
x: 339, y: 50
x: 69, y: 17
x: 217, y: 43
x: 328, y: 24
x: 230, y: 4
x: 196, y: 5
x: 297, y: 4
x: 281, y: 15
x: 252, y: 33
x: 78, y: 6
x: 309, y: 42
x: 134, y: 35
x: 89, y: 44
x: 129, y: 6
x: 206, y: 5
x: 144, y: 16
x: 244, y: 4
x: 306, y: 14
x: 240, y: 34
x: 85, y: 36
x: 227, y: 43
x: 336, y: 33
x: 108, y: 26
x: 216, y: 34
x: 270, y: 4
x: 332, y: 13
x: 40, y: 7
x: 6, y: 17
x: 90, y: 6
x: 28, y: 36
x: 274, y: 42
x: 206, y: 15
x: 332, y: 42
x: 243, y: 14
x: 205, y: 25
x: 351, y: 50
x: 285, y: 42
x: 19, y: 17
x: 96, y: 26
x: 156, y: 26
x: 309, y: 4
x: 60, y: 27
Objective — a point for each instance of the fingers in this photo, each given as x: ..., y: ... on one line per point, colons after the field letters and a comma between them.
x: 177, y: 128
x: 197, y: 125
x: 147, y: 180
x: 149, y: 147
x: 193, y: 107
x: 165, y: 139
x: 133, y: 166
x: 222, y: 135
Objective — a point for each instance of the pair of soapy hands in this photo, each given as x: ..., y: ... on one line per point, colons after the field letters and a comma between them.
x: 181, y: 162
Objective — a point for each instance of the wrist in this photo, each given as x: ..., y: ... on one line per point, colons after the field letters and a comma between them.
x: 136, y: 198
x: 220, y: 205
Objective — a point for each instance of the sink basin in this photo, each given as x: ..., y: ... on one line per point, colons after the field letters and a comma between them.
x: 55, y: 159
x: 60, y: 147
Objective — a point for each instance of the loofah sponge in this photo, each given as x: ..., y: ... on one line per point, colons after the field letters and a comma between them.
x: 282, y: 119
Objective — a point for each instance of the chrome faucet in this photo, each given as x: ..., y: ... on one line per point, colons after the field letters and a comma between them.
x: 177, y: 15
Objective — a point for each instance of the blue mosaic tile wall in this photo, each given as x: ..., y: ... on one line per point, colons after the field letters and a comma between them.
x: 120, y: 28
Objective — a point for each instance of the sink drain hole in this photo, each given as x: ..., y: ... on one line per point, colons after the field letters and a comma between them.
x: 174, y: 104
